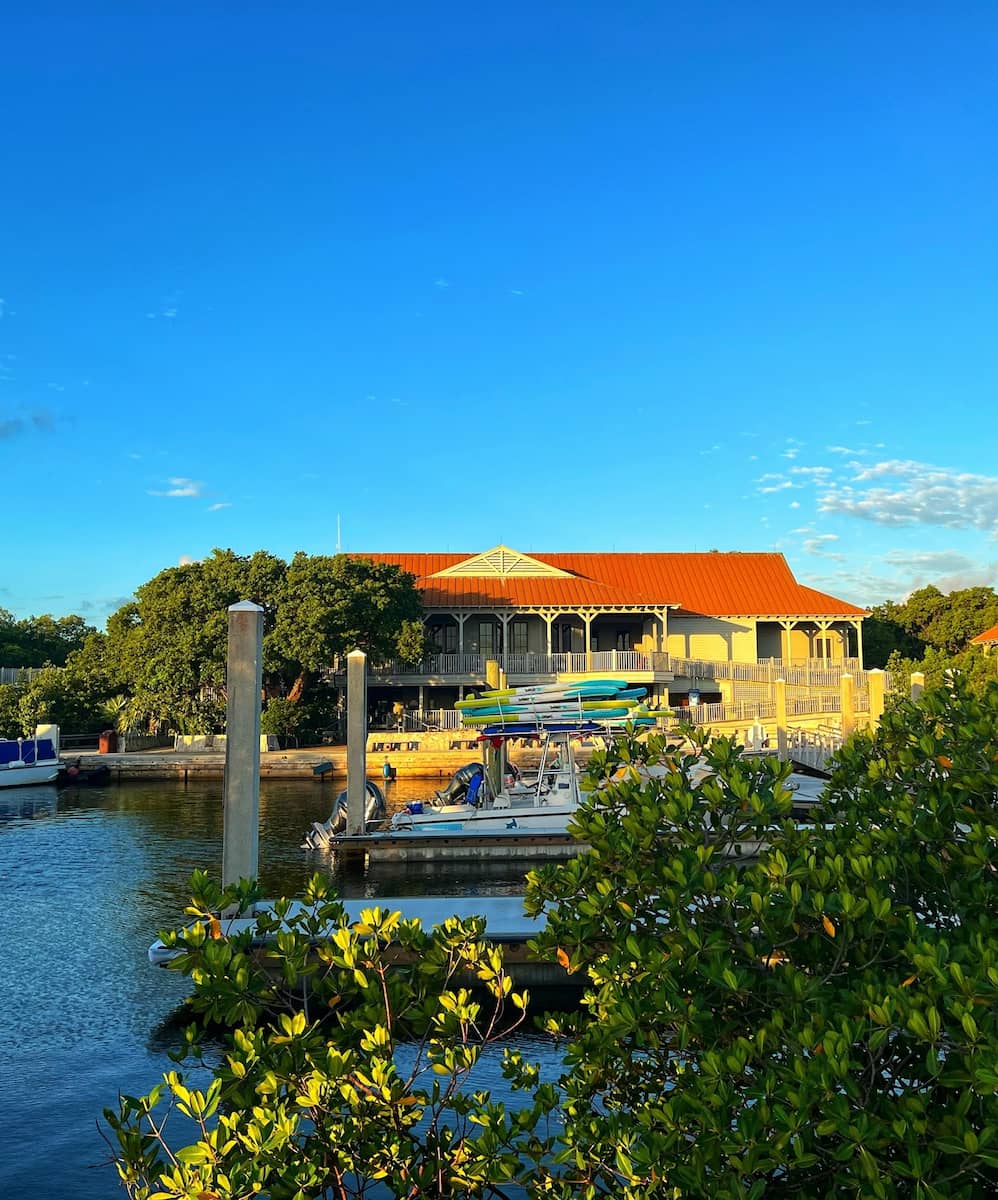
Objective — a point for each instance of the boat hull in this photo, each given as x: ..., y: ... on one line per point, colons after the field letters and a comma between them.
x: 29, y: 774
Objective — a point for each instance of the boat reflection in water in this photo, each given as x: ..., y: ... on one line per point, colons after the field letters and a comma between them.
x: 27, y: 803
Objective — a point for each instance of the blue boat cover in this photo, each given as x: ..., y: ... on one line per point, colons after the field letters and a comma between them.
x: 11, y: 751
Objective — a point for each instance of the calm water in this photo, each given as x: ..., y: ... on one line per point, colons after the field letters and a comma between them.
x: 86, y: 879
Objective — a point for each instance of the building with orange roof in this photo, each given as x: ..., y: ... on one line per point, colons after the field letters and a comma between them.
x: 650, y: 617
x: 988, y: 639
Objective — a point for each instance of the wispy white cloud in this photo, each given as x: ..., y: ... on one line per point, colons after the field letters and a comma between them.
x: 220, y: 504
x: 904, y: 493
x: 898, y: 574
x: 515, y: 292
x: 816, y: 472
x: 185, y: 560
x: 846, y: 450
x: 181, y: 487
x: 770, y: 483
x: 816, y: 545
x: 441, y: 283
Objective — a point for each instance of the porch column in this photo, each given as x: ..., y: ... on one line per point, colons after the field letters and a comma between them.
x: 823, y: 628
x: 461, y: 618
x: 663, y: 641
x: 785, y: 652
x: 548, y: 619
x: 504, y: 635
x: 858, y: 626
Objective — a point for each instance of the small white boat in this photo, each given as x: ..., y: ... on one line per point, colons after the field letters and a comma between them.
x: 542, y: 804
x: 25, y: 761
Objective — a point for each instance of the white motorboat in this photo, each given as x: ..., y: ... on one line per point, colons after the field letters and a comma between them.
x: 32, y: 760
x: 544, y: 803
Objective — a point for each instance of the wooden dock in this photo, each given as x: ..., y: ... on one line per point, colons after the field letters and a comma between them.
x: 404, y: 846
x: 506, y: 924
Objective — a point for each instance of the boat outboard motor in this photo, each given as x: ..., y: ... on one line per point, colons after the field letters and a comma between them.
x: 458, y: 785
x: 319, y: 835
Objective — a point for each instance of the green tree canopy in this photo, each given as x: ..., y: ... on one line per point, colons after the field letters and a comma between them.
x: 819, y: 1022
x: 773, y: 1010
x: 40, y: 641
x: 330, y: 605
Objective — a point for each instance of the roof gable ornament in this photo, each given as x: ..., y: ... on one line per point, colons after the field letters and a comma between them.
x: 505, y: 563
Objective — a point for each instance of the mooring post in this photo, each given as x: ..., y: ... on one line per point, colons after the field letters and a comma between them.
x: 782, y: 739
x: 356, y: 742
x: 493, y: 758
x: 917, y: 684
x: 241, y: 789
x: 878, y: 693
x: 847, y: 696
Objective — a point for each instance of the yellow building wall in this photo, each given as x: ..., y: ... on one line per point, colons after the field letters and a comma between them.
x: 711, y: 638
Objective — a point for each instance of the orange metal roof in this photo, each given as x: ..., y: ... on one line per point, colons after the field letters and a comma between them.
x: 985, y: 638
x: 713, y: 584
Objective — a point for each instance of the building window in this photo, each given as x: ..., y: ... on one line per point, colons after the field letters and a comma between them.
x: 518, y: 637
x: 486, y: 639
x: 823, y: 647
x: 445, y: 638
x: 623, y: 639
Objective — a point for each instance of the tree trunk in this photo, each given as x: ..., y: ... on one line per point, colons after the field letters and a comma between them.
x: 298, y: 688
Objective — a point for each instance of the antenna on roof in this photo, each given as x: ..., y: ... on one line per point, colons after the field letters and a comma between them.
x: 337, y: 533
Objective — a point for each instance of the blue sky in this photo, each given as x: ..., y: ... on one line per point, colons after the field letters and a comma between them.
x: 590, y: 276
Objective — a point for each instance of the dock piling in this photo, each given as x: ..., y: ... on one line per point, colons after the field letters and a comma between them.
x: 356, y: 742
x: 241, y: 819
x: 782, y: 736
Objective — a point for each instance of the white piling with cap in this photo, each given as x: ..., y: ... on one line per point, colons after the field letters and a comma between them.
x: 241, y: 822
x: 356, y: 741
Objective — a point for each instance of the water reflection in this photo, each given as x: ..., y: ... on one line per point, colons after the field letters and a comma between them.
x: 88, y: 878
x: 27, y: 803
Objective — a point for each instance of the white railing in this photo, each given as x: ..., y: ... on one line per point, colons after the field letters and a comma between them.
x: 528, y: 663
x: 809, y: 673
x: 813, y: 672
x: 19, y: 674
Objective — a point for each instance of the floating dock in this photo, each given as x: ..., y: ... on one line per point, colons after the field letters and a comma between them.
x: 506, y: 925
x: 403, y: 846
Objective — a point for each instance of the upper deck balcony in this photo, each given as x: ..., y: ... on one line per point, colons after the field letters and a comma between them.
x: 634, y: 665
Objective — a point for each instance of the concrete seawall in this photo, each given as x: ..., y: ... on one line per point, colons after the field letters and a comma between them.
x: 283, y: 764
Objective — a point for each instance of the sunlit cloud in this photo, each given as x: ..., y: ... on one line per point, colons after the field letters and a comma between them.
x: 816, y: 545
x: 220, y: 504
x: 776, y: 487
x: 181, y: 487
x: 903, y: 493
x: 814, y: 472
